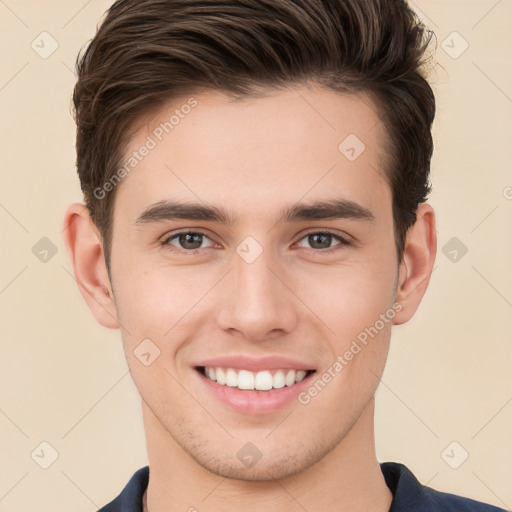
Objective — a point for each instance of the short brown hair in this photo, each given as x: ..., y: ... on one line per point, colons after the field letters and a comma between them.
x: 148, y: 52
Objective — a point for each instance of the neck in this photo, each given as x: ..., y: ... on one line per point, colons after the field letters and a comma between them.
x: 346, y: 478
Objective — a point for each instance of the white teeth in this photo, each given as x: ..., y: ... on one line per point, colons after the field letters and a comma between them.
x: 300, y: 375
x: 231, y: 378
x: 245, y: 380
x: 221, y: 376
x: 290, y: 378
x: 261, y: 381
x: 278, y: 379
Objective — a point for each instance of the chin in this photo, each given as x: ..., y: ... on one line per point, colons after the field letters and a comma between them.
x: 260, y: 472
x: 273, y: 464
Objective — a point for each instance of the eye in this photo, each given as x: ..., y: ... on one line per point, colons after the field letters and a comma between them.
x: 191, y: 242
x: 322, y: 240
x: 188, y: 241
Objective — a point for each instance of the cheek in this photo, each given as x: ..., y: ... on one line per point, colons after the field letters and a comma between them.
x: 151, y: 301
x: 347, y: 298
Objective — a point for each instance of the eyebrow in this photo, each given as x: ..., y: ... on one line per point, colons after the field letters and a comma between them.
x: 319, y: 210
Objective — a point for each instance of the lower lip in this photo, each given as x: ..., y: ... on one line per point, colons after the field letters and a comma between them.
x: 253, y: 401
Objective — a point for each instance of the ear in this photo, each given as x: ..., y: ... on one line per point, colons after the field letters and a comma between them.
x: 85, y: 249
x: 417, y: 262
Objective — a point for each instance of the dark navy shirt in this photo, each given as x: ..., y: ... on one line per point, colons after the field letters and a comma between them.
x: 408, y: 494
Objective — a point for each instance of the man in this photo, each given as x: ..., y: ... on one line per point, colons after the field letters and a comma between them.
x: 255, y: 176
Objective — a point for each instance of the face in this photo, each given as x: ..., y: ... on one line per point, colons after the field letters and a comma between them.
x: 256, y: 235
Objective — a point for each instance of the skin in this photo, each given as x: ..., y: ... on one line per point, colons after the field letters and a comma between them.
x: 256, y: 158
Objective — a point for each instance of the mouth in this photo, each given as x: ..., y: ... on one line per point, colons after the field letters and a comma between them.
x: 253, y: 386
x: 261, y: 381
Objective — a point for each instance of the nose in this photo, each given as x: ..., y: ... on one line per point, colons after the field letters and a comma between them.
x: 258, y: 303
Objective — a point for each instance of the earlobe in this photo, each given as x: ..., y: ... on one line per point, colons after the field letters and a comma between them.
x: 85, y: 250
x: 417, y: 263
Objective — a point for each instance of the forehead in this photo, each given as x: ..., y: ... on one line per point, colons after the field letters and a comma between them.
x: 258, y: 152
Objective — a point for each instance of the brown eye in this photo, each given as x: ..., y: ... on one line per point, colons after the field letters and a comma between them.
x: 323, y: 240
x: 320, y: 240
x: 187, y: 240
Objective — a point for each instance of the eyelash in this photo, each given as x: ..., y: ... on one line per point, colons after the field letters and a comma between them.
x: 343, y: 242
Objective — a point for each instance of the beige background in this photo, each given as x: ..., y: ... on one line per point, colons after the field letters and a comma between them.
x: 63, y: 378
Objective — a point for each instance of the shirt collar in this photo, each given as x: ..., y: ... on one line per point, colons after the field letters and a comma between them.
x: 408, y: 493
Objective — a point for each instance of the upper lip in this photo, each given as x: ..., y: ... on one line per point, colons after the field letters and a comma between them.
x: 255, y: 363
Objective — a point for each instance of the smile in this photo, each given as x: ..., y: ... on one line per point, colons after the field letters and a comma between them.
x: 264, y: 380
x: 253, y: 392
